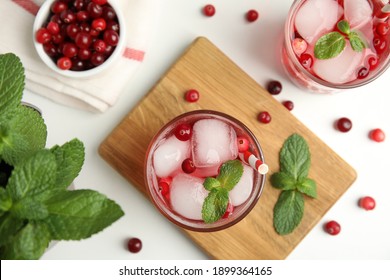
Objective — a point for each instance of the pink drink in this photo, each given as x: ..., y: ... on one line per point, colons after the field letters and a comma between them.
x: 209, y: 140
x: 310, y: 20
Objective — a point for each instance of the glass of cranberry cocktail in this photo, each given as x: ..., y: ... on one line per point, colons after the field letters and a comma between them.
x: 330, y: 45
x: 198, y: 170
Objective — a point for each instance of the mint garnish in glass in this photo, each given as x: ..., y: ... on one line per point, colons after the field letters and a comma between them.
x: 215, y: 204
x: 332, y: 44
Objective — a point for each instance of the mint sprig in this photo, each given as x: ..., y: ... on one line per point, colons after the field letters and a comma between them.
x: 216, y: 202
x: 295, y: 160
x: 332, y: 44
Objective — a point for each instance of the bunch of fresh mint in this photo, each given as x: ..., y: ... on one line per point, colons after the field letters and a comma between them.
x: 333, y: 43
x: 295, y: 160
x: 36, y: 205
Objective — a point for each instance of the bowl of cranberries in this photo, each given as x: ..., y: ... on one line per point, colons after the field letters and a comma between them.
x: 79, y: 38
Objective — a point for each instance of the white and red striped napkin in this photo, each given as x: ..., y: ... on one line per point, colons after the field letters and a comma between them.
x: 95, y: 94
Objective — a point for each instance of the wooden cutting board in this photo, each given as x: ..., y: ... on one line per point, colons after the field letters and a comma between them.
x: 224, y: 87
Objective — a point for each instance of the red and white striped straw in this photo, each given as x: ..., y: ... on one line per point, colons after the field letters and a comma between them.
x: 383, y: 13
x: 254, y: 162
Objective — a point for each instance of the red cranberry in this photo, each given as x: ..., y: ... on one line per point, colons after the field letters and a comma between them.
x: 209, y: 10
x: 134, y: 245
x: 373, y: 62
x: 78, y: 64
x: 332, y: 227
x: 344, y: 124
x: 99, y: 24
x: 84, y: 54
x: 112, y: 25
x: 192, y: 95
x: 252, y: 15
x: 382, y: 28
x: 53, y: 28
x: 97, y: 59
x: 274, y: 87
x: 188, y: 166
x: 362, y: 72
x: 70, y: 50
x: 377, y: 135
x: 83, y: 40
x: 43, y: 36
x: 82, y: 16
x: 380, y: 44
x: 50, y: 49
x: 99, y: 46
x: 64, y: 63
x: 367, y: 203
x: 306, y: 60
x: 94, y: 10
x: 111, y: 37
x: 79, y: 4
x: 68, y: 16
x: 58, y: 6
x: 288, y: 104
x: 264, y: 117
x: 183, y: 132
x: 108, y: 13
x: 100, y: 2
x: 229, y: 211
x: 72, y: 30
x: 242, y: 143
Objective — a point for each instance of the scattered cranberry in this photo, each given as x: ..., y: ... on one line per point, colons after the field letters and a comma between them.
x: 64, y: 63
x: 299, y: 46
x: 99, y: 24
x: 192, y: 95
x: 134, y: 245
x: 264, y: 117
x: 209, y: 10
x: 377, y: 135
x: 367, y: 203
x: 163, y: 188
x: 183, y: 132
x: 188, y: 166
x: 332, y: 227
x: 252, y: 15
x: 344, y: 124
x: 274, y: 87
x: 382, y: 28
x: 288, y: 104
x: 306, y: 60
x: 229, y: 211
x: 242, y: 143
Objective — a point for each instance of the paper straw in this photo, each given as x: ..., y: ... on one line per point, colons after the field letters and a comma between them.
x: 254, y: 162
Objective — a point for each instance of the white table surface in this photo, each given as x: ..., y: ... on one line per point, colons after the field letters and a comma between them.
x: 255, y: 48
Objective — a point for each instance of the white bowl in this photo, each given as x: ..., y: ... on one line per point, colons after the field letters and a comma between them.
x: 42, y: 17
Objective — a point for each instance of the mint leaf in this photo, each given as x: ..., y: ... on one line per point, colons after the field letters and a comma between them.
x: 230, y: 174
x: 215, y: 205
x: 74, y: 215
x: 295, y: 157
x: 344, y: 27
x: 9, y: 226
x: 11, y: 82
x: 70, y: 159
x: 283, y: 181
x: 28, y: 244
x: 211, y: 183
x: 33, y: 177
x: 329, y: 45
x: 308, y: 187
x: 288, y: 211
x: 30, y: 209
x: 357, y: 43
x: 5, y: 200
x: 22, y: 133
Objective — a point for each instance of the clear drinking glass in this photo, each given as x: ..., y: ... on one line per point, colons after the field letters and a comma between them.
x: 308, y: 20
x: 164, y: 159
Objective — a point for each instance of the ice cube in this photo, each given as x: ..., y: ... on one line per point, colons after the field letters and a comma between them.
x: 340, y: 69
x: 241, y: 192
x: 316, y: 17
x: 169, y: 156
x: 213, y: 142
x: 187, y: 196
x: 357, y: 13
x: 204, y: 172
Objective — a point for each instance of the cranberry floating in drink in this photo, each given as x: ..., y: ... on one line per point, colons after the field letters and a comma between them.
x: 332, y: 45
x: 204, y: 170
